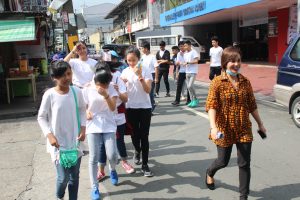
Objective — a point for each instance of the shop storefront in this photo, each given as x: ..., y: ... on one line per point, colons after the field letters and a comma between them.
x: 23, y: 55
x: 263, y: 28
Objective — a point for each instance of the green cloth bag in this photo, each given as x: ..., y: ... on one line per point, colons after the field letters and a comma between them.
x: 68, y: 158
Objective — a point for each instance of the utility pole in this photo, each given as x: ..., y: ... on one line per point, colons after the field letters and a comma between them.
x: 298, y: 17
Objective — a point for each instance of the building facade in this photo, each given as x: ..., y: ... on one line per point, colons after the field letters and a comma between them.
x: 263, y: 28
x: 136, y: 18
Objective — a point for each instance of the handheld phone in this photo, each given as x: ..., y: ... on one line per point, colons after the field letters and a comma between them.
x: 262, y: 134
x: 220, y: 135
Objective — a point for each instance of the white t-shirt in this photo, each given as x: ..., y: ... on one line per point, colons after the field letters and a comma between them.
x: 161, y: 53
x: 83, y: 71
x: 149, y: 61
x: 180, y: 58
x: 215, y: 54
x: 190, y: 56
x: 57, y: 115
x: 103, y: 120
x: 119, y: 117
x: 137, y: 97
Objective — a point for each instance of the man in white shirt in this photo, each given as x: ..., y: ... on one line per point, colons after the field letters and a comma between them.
x: 191, y: 58
x: 83, y: 68
x: 149, y: 61
x: 215, y: 54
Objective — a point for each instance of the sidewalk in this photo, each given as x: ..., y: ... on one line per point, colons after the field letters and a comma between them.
x: 262, y: 77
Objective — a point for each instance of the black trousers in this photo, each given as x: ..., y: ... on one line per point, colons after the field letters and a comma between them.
x: 165, y: 74
x: 244, y: 157
x: 140, y: 120
x: 214, y: 71
x: 180, y: 82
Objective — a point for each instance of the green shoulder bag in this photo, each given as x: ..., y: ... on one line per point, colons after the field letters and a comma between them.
x: 68, y: 158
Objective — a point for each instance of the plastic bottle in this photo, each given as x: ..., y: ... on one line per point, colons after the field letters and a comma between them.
x: 23, y: 63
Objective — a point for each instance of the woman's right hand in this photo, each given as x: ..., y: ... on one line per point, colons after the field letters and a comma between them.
x: 89, y: 115
x: 214, y: 133
x: 52, y: 140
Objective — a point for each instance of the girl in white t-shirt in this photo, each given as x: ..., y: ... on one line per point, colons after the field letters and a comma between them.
x: 83, y: 67
x: 100, y: 98
x: 57, y: 118
x: 138, y: 80
x: 119, y: 114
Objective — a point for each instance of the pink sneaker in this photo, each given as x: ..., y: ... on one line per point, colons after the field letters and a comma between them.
x: 128, y: 168
x: 100, y: 176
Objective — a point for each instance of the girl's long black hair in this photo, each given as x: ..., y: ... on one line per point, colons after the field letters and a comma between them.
x: 103, y: 73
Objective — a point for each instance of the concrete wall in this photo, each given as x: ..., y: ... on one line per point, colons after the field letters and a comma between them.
x: 278, y: 45
x: 95, y: 39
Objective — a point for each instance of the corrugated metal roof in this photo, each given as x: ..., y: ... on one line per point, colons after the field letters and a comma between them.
x: 120, y: 8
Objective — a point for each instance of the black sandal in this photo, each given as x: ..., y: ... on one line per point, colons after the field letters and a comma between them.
x: 210, y: 186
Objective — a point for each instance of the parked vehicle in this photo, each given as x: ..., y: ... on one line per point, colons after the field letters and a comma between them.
x: 171, y: 40
x: 119, y: 48
x: 287, y: 89
x: 91, y: 48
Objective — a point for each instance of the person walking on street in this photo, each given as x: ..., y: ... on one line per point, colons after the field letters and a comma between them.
x: 83, y: 68
x: 120, y: 118
x: 175, y: 50
x: 229, y: 102
x: 163, y: 59
x: 215, y: 54
x: 149, y: 61
x: 180, y: 74
x: 191, y: 58
x: 138, y: 80
x: 62, y: 119
x: 100, y: 98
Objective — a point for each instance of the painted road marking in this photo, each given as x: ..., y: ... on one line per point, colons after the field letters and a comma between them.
x: 201, y: 114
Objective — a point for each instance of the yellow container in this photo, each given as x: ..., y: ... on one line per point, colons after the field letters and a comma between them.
x: 23, y: 65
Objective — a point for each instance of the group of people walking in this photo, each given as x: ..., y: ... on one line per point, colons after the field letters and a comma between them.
x: 91, y: 98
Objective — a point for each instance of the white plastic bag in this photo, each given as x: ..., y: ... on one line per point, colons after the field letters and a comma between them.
x: 56, y: 4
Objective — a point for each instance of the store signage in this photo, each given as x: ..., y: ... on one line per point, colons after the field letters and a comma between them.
x: 198, y: 8
x: 186, y: 11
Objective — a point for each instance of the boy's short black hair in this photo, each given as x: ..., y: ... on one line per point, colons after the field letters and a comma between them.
x: 146, y: 45
x: 162, y: 44
x: 134, y: 50
x: 180, y: 43
x: 215, y: 38
x: 58, y: 68
x: 188, y: 42
x: 103, y: 74
x: 175, y: 48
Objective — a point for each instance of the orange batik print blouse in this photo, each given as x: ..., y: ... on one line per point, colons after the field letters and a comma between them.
x: 233, y: 107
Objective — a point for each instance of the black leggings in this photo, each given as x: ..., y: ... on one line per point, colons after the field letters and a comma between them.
x: 244, y: 157
x: 165, y: 74
x: 214, y: 71
x: 140, y: 120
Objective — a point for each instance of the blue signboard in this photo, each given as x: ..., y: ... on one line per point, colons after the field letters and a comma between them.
x: 197, y: 8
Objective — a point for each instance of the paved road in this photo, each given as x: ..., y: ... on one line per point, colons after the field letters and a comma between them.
x: 179, y: 155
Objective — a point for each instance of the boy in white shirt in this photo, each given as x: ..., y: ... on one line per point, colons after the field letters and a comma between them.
x: 215, y: 54
x: 191, y: 58
x: 149, y: 61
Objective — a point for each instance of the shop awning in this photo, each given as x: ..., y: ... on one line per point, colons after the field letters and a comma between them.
x: 17, y: 30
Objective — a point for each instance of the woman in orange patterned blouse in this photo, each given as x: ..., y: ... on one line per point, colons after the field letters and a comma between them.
x: 230, y: 101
